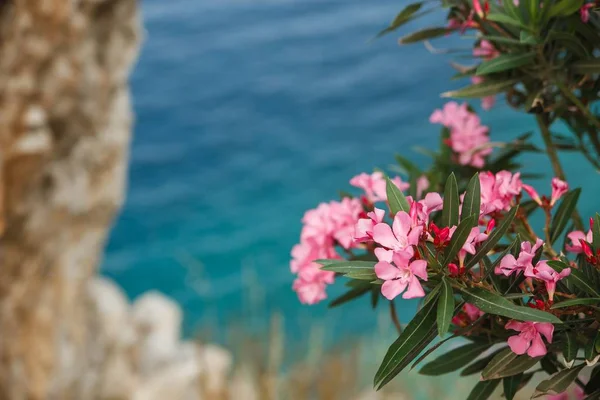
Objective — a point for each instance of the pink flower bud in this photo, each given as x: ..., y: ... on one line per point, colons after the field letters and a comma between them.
x: 559, y: 188
x: 532, y: 193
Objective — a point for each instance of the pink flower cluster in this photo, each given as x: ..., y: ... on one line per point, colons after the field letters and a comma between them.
x: 398, y: 265
x: 468, y: 137
x: 374, y: 185
x: 498, y: 191
x: 326, y: 226
x: 585, y: 11
x: 524, y: 263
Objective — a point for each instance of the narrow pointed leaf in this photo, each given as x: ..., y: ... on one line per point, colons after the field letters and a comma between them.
x: 505, y: 62
x: 487, y: 88
x: 558, y: 382
x: 498, y: 363
x: 565, y: 7
x: 350, y: 266
x: 451, y: 201
x: 505, y: 19
x: 570, y: 347
x: 479, y: 365
x: 511, y: 385
x: 593, y: 301
x: 419, y: 332
x: 458, y: 239
x: 396, y: 198
x: 453, y: 360
x: 517, y: 366
x: 445, y: 308
x: 403, y: 17
x: 596, y: 232
x: 362, y: 275
x: 483, y: 390
x: 495, y: 304
x: 563, y: 214
x: 472, y: 200
x: 424, y: 34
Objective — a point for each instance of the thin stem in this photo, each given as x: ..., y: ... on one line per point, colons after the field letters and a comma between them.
x: 394, y: 316
x: 554, y: 160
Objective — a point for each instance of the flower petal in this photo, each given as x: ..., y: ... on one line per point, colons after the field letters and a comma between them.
x: 414, y: 289
x: 518, y: 344
x: 419, y: 268
x: 386, y: 271
x: 538, y: 348
x: 382, y: 234
x: 391, y: 289
x: 546, y: 329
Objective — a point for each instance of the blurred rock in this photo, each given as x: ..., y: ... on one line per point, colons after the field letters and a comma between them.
x: 65, y: 127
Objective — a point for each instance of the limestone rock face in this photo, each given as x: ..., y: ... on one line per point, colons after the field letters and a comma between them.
x: 65, y: 125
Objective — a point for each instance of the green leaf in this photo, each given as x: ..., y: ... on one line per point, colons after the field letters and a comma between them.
x: 511, y: 9
x: 563, y: 214
x: 483, y: 390
x: 424, y: 34
x: 346, y: 267
x: 506, y: 363
x: 488, y: 88
x: 577, y: 302
x: 403, y: 17
x: 528, y: 38
x: 396, y: 198
x: 453, y: 360
x: 564, y: 8
x: 506, y: 19
x: 458, y: 239
x: 589, y: 66
x: 576, y: 277
x: 352, y: 294
x: 472, y: 199
x: 493, y: 238
x: 495, y: 304
x: 558, y: 382
x: 570, y: 347
x: 419, y: 332
x: 596, y: 232
x: 505, y: 62
x: 589, y: 350
x: 499, y: 362
x: 445, y: 309
x: 451, y: 202
x: 362, y: 275
x: 479, y: 365
x: 511, y: 385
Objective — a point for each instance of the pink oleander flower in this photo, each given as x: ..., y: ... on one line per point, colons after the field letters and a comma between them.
x: 530, y: 339
x: 585, y: 12
x: 468, y: 137
x: 576, y: 237
x: 467, y: 315
x: 363, y: 231
x: 309, y: 292
x: 498, y: 191
x: 422, y: 209
x: 374, y: 185
x: 324, y: 227
x: 402, y: 274
x: 400, y: 235
x: 559, y: 188
x: 475, y: 237
x: 485, y: 50
x: 532, y: 193
x: 544, y: 272
x: 422, y: 185
x: 487, y: 102
x: 510, y: 265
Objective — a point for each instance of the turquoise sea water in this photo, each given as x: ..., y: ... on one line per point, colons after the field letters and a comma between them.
x: 248, y: 113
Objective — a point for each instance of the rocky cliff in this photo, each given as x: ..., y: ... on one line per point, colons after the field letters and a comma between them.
x: 65, y: 126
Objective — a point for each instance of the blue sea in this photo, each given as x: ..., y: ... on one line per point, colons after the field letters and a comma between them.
x: 249, y: 112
